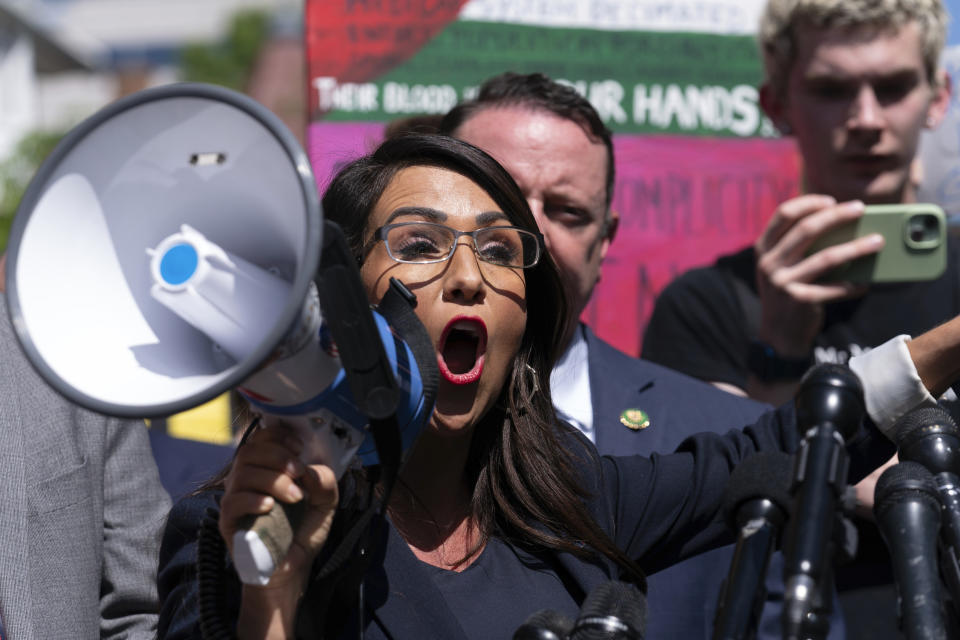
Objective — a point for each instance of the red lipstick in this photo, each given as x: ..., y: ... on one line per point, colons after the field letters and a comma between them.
x: 462, y: 348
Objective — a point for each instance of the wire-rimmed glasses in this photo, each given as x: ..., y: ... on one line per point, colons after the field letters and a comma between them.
x: 430, y: 242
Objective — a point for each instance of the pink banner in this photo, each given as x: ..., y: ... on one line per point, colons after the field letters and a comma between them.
x: 682, y: 202
x: 333, y: 144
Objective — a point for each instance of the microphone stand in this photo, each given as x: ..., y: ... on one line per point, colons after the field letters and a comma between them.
x: 829, y: 408
x: 743, y: 592
x: 929, y: 436
x: 842, y: 548
x: 804, y: 602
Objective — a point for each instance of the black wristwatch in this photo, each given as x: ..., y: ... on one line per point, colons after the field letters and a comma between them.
x: 769, y: 366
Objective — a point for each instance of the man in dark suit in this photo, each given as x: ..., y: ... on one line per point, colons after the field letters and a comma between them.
x: 554, y: 144
x: 854, y: 83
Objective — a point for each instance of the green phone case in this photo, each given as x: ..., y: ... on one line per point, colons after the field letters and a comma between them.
x: 915, y: 249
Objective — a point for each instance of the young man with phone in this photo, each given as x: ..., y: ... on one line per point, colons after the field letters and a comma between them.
x: 855, y: 82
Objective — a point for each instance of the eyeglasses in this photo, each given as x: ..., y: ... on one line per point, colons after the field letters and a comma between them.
x: 428, y: 242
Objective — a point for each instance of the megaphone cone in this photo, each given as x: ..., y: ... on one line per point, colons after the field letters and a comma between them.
x: 78, y: 278
x: 168, y: 250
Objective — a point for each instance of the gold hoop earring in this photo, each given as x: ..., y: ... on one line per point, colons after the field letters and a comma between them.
x: 532, y: 384
x: 535, y: 384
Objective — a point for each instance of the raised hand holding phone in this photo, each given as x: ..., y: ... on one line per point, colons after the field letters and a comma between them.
x: 915, y: 247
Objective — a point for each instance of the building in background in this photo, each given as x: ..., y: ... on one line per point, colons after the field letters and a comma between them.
x: 31, y: 56
x: 61, y: 60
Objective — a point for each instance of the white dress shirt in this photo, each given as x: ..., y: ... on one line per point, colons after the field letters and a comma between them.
x: 570, y: 386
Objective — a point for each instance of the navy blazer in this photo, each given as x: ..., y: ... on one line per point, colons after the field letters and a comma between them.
x: 659, y: 510
x: 682, y: 599
x: 677, y: 405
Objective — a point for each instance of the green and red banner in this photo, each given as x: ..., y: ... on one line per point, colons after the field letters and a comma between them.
x: 698, y: 171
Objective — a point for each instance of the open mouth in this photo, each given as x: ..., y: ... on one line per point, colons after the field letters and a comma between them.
x: 461, y: 351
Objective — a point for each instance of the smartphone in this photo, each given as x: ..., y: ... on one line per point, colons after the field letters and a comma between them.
x: 915, y: 249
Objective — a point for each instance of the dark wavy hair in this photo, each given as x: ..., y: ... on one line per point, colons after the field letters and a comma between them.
x: 524, y: 473
x: 536, y: 91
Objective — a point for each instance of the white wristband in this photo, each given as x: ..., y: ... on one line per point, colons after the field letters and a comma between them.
x: 891, y: 384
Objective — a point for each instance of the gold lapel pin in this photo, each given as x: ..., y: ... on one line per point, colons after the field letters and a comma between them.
x: 635, y: 419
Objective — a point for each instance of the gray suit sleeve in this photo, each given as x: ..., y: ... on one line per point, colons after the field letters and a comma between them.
x: 135, y: 507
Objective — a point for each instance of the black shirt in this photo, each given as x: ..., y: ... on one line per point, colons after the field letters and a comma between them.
x: 703, y: 321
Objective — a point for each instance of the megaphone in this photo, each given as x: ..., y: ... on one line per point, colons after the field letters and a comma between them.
x: 172, y: 247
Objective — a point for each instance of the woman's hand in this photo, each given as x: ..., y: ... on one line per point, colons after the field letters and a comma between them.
x: 268, y: 469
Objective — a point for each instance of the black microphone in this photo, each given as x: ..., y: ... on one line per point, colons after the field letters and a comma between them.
x: 612, y: 611
x: 756, y: 504
x: 544, y: 625
x: 930, y: 437
x: 829, y: 409
x: 908, y: 514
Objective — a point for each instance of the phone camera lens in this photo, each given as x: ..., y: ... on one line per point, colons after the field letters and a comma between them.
x: 922, y: 229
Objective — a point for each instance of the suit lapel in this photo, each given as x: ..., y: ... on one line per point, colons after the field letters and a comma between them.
x: 612, y: 391
x: 15, y: 596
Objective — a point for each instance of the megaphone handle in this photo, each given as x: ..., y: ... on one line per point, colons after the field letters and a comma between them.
x: 262, y: 542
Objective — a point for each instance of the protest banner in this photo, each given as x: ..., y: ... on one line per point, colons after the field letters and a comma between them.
x: 699, y: 169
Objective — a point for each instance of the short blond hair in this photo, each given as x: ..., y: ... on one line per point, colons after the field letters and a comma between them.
x: 780, y: 19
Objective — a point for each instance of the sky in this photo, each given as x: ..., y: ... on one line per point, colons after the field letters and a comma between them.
x: 953, y: 34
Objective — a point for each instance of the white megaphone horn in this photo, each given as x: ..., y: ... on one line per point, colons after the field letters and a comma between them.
x: 173, y: 247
